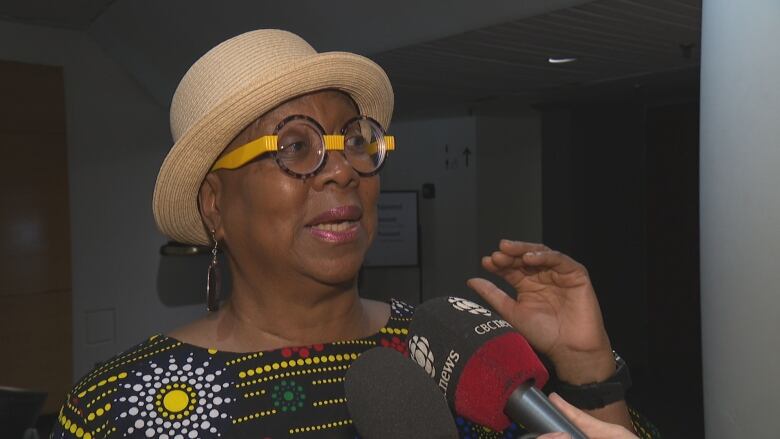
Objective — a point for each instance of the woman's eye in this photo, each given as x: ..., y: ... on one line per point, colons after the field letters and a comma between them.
x: 294, y: 147
x: 356, y: 144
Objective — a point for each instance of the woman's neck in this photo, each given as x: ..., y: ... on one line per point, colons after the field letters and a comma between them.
x: 293, y: 316
x: 268, y: 312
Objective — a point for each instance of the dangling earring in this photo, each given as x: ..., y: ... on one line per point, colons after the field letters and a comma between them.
x: 213, y: 281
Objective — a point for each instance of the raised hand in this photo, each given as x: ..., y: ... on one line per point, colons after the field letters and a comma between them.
x: 554, y: 307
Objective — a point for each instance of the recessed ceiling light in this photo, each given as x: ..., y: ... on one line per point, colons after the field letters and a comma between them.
x: 561, y: 60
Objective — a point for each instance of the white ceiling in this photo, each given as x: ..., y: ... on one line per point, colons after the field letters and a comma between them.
x: 435, y: 51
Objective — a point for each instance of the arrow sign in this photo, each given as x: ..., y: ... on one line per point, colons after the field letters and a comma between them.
x: 467, y: 153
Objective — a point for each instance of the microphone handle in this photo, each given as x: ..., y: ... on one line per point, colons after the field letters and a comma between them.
x: 530, y: 408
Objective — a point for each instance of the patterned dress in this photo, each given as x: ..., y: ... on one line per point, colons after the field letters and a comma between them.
x: 164, y: 388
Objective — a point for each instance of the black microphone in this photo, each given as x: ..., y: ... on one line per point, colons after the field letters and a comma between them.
x: 485, y: 368
x: 388, y: 396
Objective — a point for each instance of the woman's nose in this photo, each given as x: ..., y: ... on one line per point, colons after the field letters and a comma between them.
x: 337, y: 170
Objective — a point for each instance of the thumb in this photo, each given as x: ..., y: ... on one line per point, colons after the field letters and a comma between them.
x: 494, y: 296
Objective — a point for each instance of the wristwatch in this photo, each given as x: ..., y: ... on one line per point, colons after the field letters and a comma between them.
x: 597, y: 395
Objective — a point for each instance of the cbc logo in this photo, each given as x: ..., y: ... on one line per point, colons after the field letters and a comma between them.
x: 420, y: 351
x: 469, y: 306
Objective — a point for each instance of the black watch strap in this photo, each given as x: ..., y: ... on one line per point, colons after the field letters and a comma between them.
x: 597, y: 395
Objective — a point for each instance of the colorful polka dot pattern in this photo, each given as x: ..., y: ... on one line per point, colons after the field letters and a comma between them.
x: 166, y: 389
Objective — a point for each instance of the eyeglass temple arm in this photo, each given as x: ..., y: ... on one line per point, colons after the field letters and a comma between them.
x: 243, y: 154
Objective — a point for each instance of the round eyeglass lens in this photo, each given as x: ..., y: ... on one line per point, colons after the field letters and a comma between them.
x: 364, y: 145
x: 299, y: 146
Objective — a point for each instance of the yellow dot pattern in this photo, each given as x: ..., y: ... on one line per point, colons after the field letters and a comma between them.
x: 175, y: 401
x: 328, y: 381
x: 357, y: 342
x: 119, y: 361
x: 253, y: 394
x: 292, y: 373
x: 248, y: 374
x: 320, y: 426
x: 322, y: 359
x: 79, y: 431
x: 102, y: 383
x: 257, y: 415
x: 99, y: 412
x: 244, y: 358
x: 396, y: 331
x: 401, y: 319
x: 70, y: 406
x: 643, y: 429
x: 149, y: 354
x: 103, y: 428
x: 101, y: 396
x: 65, y: 422
x: 329, y: 402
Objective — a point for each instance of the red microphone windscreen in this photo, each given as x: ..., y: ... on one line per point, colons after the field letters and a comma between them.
x: 492, y: 373
x: 476, y: 358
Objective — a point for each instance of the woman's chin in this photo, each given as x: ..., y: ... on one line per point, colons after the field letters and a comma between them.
x: 341, y: 279
x: 336, y: 274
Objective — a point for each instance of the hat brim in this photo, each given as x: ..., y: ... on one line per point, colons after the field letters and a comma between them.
x: 175, y: 202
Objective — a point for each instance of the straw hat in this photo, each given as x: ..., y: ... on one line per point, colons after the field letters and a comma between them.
x: 231, y: 86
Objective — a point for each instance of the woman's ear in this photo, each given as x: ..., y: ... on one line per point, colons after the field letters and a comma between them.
x: 209, y: 202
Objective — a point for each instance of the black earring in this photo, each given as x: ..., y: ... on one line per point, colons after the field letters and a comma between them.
x: 213, y: 281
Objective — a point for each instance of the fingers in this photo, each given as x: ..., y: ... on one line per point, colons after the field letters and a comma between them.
x: 530, y: 262
x: 584, y: 421
x: 489, y: 265
x: 494, y: 296
x: 517, y: 248
x: 503, y: 265
x: 569, y: 410
x: 591, y: 426
x: 552, y: 259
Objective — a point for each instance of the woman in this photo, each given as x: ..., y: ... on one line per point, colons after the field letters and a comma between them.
x: 276, y: 155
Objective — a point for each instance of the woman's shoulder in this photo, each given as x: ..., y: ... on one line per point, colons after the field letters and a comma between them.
x: 90, y: 408
x: 115, y: 368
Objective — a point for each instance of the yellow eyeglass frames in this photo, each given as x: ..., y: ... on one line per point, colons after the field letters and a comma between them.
x: 299, y: 145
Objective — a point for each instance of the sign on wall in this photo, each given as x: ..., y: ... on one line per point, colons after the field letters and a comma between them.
x: 396, y: 241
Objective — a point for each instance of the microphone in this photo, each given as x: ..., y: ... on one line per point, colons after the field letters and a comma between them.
x: 486, y: 369
x: 388, y: 396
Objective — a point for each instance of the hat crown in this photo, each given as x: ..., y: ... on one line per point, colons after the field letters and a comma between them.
x: 229, y: 67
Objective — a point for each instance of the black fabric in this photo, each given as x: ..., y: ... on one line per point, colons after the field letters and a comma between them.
x: 163, y: 388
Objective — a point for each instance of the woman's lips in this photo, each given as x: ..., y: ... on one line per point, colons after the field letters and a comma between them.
x: 340, y: 232
x: 337, y: 214
x: 337, y: 225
